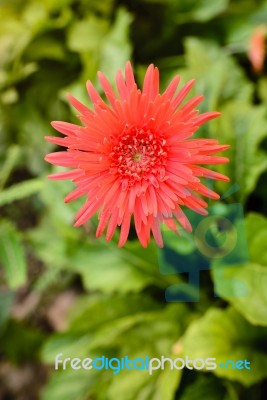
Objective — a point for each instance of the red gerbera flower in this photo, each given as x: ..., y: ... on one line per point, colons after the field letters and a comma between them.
x: 133, y: 157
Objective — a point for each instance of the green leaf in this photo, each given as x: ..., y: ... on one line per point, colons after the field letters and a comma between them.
x: 119, y: 274
x: 59, y: 5
x: 226, y: 335
x: 192, y: 10
x: 128, y: 385
x: 69, y: 385
x: 218, y: 76
x: 167, y: 384
x: 98, y: 319
x: 262, y: 88
x: 50, y: 249
x: 21, y: 343
x: 20, y: 191
x: 12, y: 255
x: 157, y: 337
x: 115, y: 326
x: 256, y: 230
x: 252, y: 302
x: 198, y: 10
x: 244, y: 286
x: 69, y: 344
x: 46, y: 47
x: 117, y: 47
x: 105, y: 309
x: 208, y: 388
x: 87, y: 35
x: 6, y: 300
x: 243, y: 126
x: 12, y: 158
x: 63, y: 215
x: 114, y: 275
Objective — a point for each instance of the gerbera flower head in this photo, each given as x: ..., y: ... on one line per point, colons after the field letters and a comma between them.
x: 132, y: 158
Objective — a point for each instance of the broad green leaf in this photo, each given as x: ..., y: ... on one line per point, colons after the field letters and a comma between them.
x: 226, y: 335
x: 51, y: 249
x: 104, y: 7
x: 46, y: 47
x: 19, y: 191
x: 256, y: 230
x: 157, y: 337
x: 14, y: 38
x: 139, y: 385
x: 12, y: 255
x: 93, y: 311
x: 244, y: 286
x: 128, y: 384
x: 96, y: 320
x: 32, y: 129
x: 127, y: 269
x: 63, y: 215
x: 208, y: 388
x: 87, y: 35
x: 115, y: 326
x: 69, y: 385
x: 167, y: 384
x: 69, y: 344
x: 116, y: 48
x: 193, y: 10
x: 115, y: 275
x: 243, y: 126
x: 59, y: 5
x: 218, y: 77
x: 252, y: 301
x: 198, y: 10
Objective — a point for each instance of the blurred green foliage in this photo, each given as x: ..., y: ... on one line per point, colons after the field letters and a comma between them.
x: 49, y: 48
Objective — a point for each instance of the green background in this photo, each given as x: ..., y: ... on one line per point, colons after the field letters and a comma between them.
x: 61, y: 290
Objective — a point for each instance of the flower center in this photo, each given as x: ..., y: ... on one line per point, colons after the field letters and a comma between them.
x: 137, y: 153
x: 137, y: 157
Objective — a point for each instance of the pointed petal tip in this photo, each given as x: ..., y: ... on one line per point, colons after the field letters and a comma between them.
x: 188, y: 228
x: 69, y: 96
x: 50, y: 177
x: 54, y: 124
x: 128, y: 64
x: 98, y: 234
x: 48, y: 157
x: 77, y: 223
x: 144, y: 245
